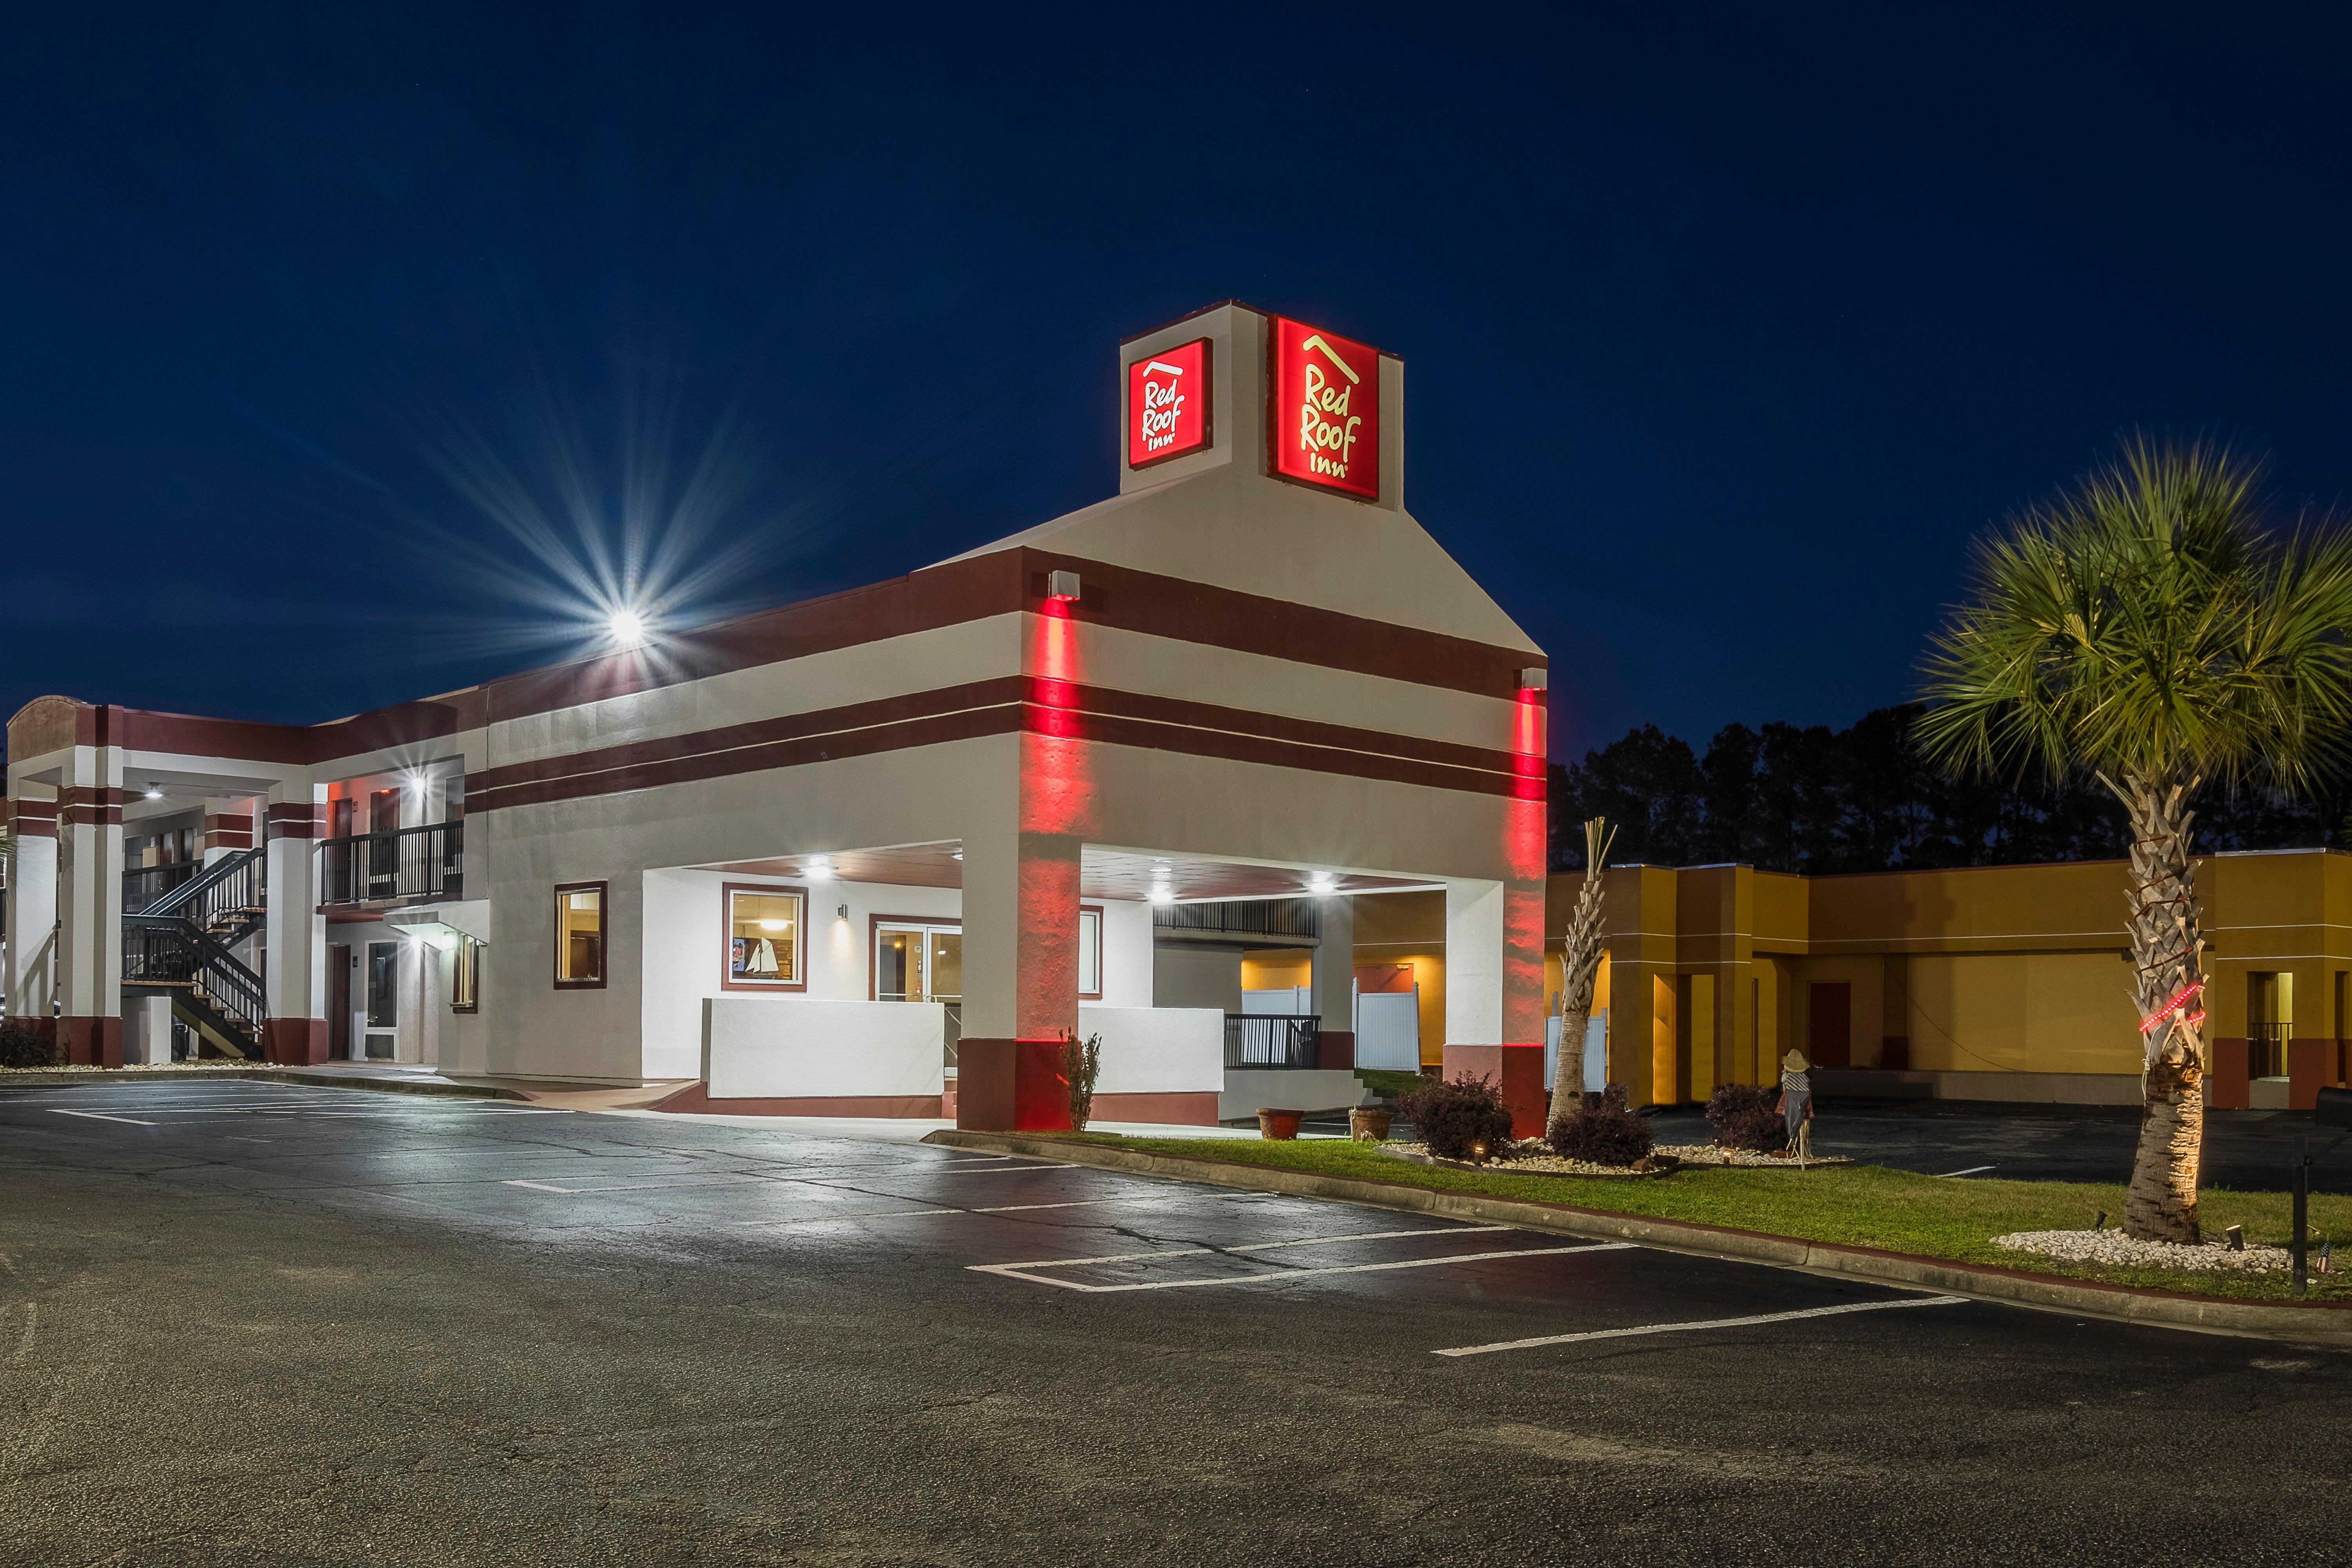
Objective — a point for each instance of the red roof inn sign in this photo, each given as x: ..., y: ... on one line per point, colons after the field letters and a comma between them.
x: 1325, y: 418
x: 1168, y: 404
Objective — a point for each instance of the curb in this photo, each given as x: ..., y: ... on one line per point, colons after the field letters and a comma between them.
x: 37, y: 1080
x: 2312, y: 1323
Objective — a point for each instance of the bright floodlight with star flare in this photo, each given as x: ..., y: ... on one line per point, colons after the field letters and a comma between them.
x: 628, y: 628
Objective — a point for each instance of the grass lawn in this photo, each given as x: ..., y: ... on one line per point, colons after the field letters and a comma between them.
x: 1860, y: 1206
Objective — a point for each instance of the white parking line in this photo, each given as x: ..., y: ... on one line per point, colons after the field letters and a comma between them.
x: 1694, y: 1328
x: 1024, y: 1270
x: 1972, y: 1171
x: 94, y: 1116
x: 684, y: 1181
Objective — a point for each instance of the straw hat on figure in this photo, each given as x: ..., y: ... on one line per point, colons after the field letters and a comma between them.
x: 1796, y: 1104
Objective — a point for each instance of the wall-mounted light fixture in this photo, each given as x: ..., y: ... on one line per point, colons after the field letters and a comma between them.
x: 841, y: 912
x: 1062, y: 585
x: 1535, y: 678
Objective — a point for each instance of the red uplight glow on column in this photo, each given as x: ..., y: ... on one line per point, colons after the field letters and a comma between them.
x: 1525, y: 818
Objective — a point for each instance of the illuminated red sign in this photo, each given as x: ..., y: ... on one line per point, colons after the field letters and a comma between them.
x: 1325, y: 417
x: 1168, y: 404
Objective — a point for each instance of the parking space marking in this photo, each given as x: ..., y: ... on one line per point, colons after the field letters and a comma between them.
x: 95, y: 1116
x: 1025, y: 1271
x: 1972, y: 1171
x: 685, y: 1179
x: 1694, y: 1328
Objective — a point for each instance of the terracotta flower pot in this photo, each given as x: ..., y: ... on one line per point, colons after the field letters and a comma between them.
x: 1276, y: 1124
x: 1368, y: 1123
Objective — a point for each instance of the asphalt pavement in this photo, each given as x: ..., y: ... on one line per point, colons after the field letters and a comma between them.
x: 255, y: 1324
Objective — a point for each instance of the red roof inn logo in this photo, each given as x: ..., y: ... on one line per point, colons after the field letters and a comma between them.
x: 1326, y: 418
x: 1168, y: 404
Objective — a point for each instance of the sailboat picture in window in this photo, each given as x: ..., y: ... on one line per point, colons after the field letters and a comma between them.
x: 763, y: 938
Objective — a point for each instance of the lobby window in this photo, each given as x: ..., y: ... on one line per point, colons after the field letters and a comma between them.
x: 763, y: 927
x: 579, y: 934
x: 1090, y: 918
x: 916, y: 961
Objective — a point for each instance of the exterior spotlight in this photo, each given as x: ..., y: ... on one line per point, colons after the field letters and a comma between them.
x: 841, y: 912
x: 820, y: 866
x: 1535, y: 678
x: 154, y: 790
x: 1321, y: 882
x: 1161, y: 893
x: 628, y: 628
x: 1062, y: 585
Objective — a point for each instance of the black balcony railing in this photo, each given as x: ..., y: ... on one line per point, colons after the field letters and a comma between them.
x: 142, y: 885
x: 2266, y: 1050
x: 1272, y: 1039
x: 406, y: 863
x: 1298, y: 918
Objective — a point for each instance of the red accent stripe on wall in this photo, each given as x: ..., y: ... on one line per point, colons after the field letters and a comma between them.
x: 1002, y: 707
x: 945, y: 595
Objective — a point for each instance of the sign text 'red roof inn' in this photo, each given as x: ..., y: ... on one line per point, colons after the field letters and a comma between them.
x: 1325, y: 416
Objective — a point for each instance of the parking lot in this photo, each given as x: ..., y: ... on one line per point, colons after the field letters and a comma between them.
x: 252, y: 1323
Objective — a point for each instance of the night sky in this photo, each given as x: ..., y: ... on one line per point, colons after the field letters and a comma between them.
x: 344, y: 343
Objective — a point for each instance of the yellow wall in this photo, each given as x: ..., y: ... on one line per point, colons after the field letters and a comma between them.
x: 1273, y: 968
x: 1410, y: 928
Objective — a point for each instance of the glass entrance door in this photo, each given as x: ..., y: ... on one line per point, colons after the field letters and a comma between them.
x: 918, y: 962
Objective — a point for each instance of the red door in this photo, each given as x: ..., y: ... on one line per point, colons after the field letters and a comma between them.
x: 1832, y: 1024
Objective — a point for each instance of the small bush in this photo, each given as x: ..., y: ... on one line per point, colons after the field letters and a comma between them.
x: 21, y: 1047
x: 1604, y: 1132
x: 1453, y: 1117
x: 1081, y: 1065
x: 1743, y: 1118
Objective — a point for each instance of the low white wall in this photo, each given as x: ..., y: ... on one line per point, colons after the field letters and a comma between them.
x: 1248, y: 1090
x: 777, y: 1047
x: 1157, y: 1050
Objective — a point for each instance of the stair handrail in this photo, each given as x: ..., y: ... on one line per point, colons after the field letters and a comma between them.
x: 211, y: 877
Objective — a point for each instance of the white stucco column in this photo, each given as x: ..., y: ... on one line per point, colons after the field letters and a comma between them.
x: 1334, y: 984
x: 33, y: 907
x: 294, y: 934
x: 148, y: 1036
x: 1020, y: 978
x: 89, y: 906
x: 1494, y: 991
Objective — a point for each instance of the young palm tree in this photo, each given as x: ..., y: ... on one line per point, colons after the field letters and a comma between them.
x: 1579, y: 968
x: 2148, y: 628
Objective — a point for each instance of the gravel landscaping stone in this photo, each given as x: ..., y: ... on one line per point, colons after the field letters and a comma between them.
x: 2114, y: 1246
x: 1533, y: 1156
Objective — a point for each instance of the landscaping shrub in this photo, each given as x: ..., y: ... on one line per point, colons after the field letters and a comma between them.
x: 1453, y: 1117
x: 1081, y: 1065
x: 1743, y: 1118
x: 20, y: 1048
x: 1603, y: 1133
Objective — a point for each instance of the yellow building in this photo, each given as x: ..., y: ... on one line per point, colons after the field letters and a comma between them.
x: 2008, y: 983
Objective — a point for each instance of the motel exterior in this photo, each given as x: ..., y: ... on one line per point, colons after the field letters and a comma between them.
x: 876, y: 853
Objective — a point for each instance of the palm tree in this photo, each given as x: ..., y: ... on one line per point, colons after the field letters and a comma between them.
x: 1579, y: 967
x: 2151, y: 630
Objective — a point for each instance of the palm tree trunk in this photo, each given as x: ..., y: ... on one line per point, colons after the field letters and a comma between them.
x: 1579, y: 968
x: 2167, y: 947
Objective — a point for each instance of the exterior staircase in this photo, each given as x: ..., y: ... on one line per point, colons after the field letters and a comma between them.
x: 182, y: 945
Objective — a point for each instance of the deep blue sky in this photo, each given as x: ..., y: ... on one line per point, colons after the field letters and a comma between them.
x: 1723, y: 334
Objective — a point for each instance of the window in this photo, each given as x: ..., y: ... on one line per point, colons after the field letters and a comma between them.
x: 1090, y: 925
x: 580, y: 935
x: 382, y: 984
x: 466, y: 976
x: 917, y: 961
x: 763, y: 930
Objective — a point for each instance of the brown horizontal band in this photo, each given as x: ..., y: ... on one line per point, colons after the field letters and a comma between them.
x: 1002, y: 707
x: 1001, y: 582
x: 35, y: 828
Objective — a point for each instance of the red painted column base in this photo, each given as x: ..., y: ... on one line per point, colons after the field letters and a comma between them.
x: 1516, y: 1071
x: 2310, y: 1064
x: 1011, y: 1086
x: 2225, y: 1081
x: 294, y: 1042
x: 90, y: 1042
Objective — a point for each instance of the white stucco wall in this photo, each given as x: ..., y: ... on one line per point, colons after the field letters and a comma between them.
x: 761, y: 1047
x: 1157, y: 1050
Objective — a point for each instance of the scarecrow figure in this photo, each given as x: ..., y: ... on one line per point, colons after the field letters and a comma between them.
x: 1796, y: 1104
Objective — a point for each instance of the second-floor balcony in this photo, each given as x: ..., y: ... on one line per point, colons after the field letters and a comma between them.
x: 406, y: 865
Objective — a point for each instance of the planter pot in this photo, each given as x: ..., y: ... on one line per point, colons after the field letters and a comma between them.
x: 1368, y: 1123
x: 1277, y: 1124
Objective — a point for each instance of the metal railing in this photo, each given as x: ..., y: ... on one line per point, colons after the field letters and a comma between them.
x: 142, y: 885
x: 1272, y: 1039
x: 173, y: 952
x: 225, y: 899
x: 426, y: 862
x: 1301, y: 917
x: 2266, y: 1050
